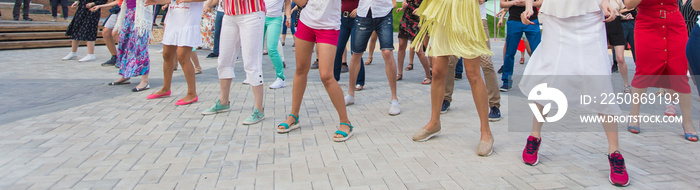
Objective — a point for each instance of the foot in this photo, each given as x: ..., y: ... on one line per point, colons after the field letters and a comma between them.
x: 615, y: 70
x: 670, y: 110
x: 618, y: 171
x: 427, y: 81
x: 359, y: 87
x: 70, y: 56
x: 494, y: 114
x: 254, y: 118
x: 690, y: 136
x: 500, y: 70
x: 505, y: 88
x: 290, y: 124
x: 264, y: 52
x: 141, y: 87
x: 369, y: 61
x: 120, y: 81
x: 530, y: 153
x: 344, y: 128
x: 344, y: 68
x: 445, y: 106
x: 349, y: 100
x: 279, y: 83
x: 217, y: 108
x: 87, y: 58
x: 246, y: 81
x: 111, y: 62
x: 485, y: 147
x: 427, y: 132
x: 458, y: 76
x: 315, y: 65
x: 627, y: 89
x: 212, y: 56
x: 522, y: 60
x: 633, y: 128
x: 284, y: 65
x: 410, y: 67
x: 399, y: 77
x: 394, y: 109
x: 186, y: 100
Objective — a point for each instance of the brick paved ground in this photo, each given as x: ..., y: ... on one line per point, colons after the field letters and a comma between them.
x: 62, y: 127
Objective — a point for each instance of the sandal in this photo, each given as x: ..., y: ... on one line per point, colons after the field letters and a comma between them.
x: 522, y: 60
x: 137, y: 89
x: 345, y: 135
x: 359, y: 87
x: 627, y: 89
x: 410, y: 67
x: 427, y: 81
x: 399, y: 77
x: 198, y: 71
x: 689, y: 136
x: 126, y: 81
x: 286, y: 126
x: 369, y: 61
x: 635, y: 128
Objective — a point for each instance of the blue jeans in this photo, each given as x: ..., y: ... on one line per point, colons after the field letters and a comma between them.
x: 460, y: 68
x: 157, y: 10
x: 291, y: 26
x: 692, y: 51
x: 217, y: 31
x: 347, y: 29
x: 367, y: 25
x: 515, y: 32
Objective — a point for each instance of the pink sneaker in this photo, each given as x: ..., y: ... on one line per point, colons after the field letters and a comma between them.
x: 530, y: 156
x: 670, y: 110
x: 618, y: 171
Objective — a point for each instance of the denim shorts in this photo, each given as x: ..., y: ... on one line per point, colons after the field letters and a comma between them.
x: 367, y: 25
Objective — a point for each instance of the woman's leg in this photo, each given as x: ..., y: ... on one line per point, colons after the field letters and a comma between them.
x: 611, y: 132
x: 472, y: 68
x: 536, y: 125
x: 183, y: 56
x: 411, y: 53
x: 636, y: 92
x: 91, y: 47
x: 303, y: 58
x: 109, y: 40
x: 326, y: 54
x: 74, y: 46
x: 437, y: 91
x: 685, y: 102
x: 620, y: 57
x: 144, y: 81
x: 195, y: 60
x: 169, y: 61
x: 423, y: 61
x: 372, y: 44
x: 403, y: 42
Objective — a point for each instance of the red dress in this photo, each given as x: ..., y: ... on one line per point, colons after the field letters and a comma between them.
x: 660, y: 40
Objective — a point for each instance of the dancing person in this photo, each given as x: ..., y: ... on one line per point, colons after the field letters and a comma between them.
x: 83, y: 27
x: 181, y: 33
x: 523, y: 45
x: 575, y: 31
x: 273, y: 29
x: 132, y: 56
x: 374, y: 15
x: 347, y: 31
x: 616, y: 38
x: 693, y: 47
x: 64, y: 9
x: 662, y: 65
x: 217, y: 25
x: 407, y: 31
x: 494, y: 95
x: 157, y: 10
x: 450, y: 39
x: 515, y: 30
x: 319, y: 25
x: 628, y: 16
x: 283, y: 36
x: 242, y: 28
x: 25, y: 10
x: 109, y: 35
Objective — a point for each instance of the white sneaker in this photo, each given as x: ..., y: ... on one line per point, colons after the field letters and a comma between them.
x: 349, y: 100
x: 246, y: 81
x: 394, y: 109
x: 89, y: 57
x: 279, y: 83
x: 70, y: 56
x: 159, y: 51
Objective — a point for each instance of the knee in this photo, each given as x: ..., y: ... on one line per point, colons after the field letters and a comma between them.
x: 183, y: 57
x: 620, y: 60
x: 106, y: 33
x: 438, y: 73
x: 387, y: 53
x: 327, y: 78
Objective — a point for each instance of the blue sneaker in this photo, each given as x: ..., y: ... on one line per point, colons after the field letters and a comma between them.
x: 217, y: 108
x: 254, y: 118
x: 505, y: 88
x: 495, y: 114
x: 445, y: 106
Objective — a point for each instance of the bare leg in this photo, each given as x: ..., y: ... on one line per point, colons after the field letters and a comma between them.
x: 195, y: 60
x: 536, y: 125
x: 684, y: 101
x: 74, y: 46
x: 390, y: 69
x: 611, y: 132
x: 636, y: 92
x: 326, y: 54
x: 345, y: 55
x: 423, y: 61
x: 183, y: 56
x: 225, y: 87
x: 354, y: 65
x: 437, y: 91
x: 401, y: 54
x: 411, y: 54
x: 91, y: 47
x: 144, y: 81
x: 303, y: 57
x: 109, y: 40
x: 472, y: 68
x: 372, y: 44
x: 620, y: 57
x: 169, y: 60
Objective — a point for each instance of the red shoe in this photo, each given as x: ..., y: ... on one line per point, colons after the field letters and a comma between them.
x: 154, y: 96
x: 618, y: 171
x: 530, y: 156
x: 182, y: 102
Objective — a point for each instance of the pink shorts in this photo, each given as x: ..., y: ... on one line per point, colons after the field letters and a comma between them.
x: 316, y: 35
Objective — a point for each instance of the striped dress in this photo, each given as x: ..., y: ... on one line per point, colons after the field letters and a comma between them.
x: 689, y: 14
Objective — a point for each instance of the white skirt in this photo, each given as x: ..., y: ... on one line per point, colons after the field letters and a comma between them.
x: 573, y: 58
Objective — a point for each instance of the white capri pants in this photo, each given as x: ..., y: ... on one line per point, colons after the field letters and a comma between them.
x: 242, y: 31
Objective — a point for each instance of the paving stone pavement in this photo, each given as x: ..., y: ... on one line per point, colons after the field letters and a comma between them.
x: 63, y: 128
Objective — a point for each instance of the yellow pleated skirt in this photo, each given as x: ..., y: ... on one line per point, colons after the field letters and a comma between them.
x: 455, y: 28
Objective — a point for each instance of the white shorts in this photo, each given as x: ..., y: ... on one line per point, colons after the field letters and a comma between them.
x: 111, y: 21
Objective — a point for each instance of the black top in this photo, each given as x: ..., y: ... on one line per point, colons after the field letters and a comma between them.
x: 516, y: 11
x: 690, y: 15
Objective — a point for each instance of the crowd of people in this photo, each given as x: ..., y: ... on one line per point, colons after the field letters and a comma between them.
x: 450, y: 37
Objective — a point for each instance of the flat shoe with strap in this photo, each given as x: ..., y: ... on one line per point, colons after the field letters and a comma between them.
x: 286, y: 126
x: 346, y: 136
x: 137, y: 89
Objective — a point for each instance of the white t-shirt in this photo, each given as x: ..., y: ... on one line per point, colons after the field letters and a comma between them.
x: 321, y: 14
x: 482, y: 9
x: 274, y: 8
x: 380, y: 8
x: 569, y: 8
x: 184, y: 14
x: 220, y: 7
